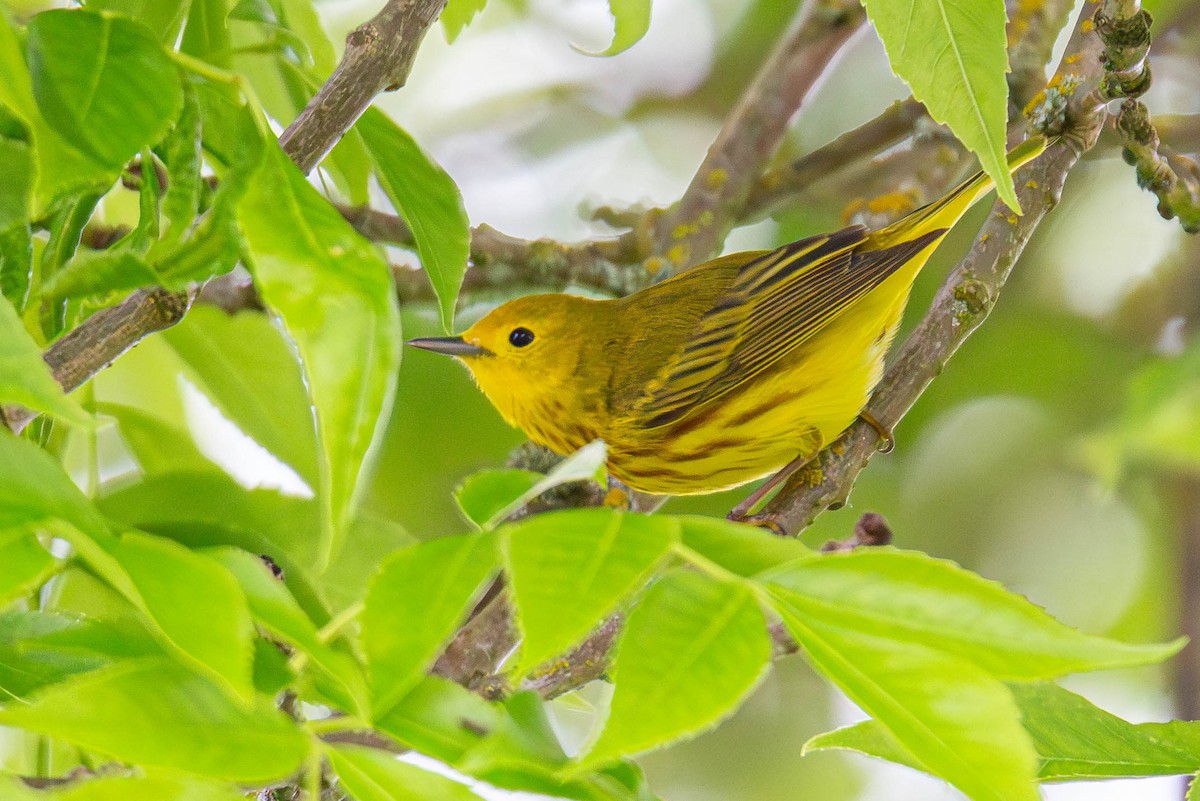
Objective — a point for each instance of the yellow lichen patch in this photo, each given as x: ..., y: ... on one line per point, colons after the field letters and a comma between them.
x: 654, y: 265
x: 1031, y: 184
x: 1087, y: 26
x: 853, y: 208
x: 716, y: 178
x: 1073, y: 58
x: 1012, y: 219
x: 984, y: 237
x: 706, y: 218
x: 892, y: 205
x: 1034, y: 103
x: 683, y: 230
x: 679, y: 253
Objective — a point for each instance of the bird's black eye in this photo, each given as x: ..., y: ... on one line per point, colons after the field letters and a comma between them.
x: 520, y: 337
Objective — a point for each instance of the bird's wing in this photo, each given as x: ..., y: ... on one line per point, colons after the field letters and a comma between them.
x: 775, y: 303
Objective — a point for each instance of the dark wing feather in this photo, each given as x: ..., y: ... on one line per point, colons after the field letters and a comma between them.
x: 775, y: 303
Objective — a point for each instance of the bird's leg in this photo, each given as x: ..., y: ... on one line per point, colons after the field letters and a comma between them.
x: 741, y: 512
x: 618, y: 496
x: 885, y: 433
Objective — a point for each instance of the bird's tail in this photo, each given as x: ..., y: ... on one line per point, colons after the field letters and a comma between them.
x: 944, y: 212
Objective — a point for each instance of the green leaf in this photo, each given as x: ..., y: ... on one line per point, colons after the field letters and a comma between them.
x: 155, y: 712
x: 17, y: 167
x: 38, y: 649
x: 34, y: 489
x: 276, y: 610
x: 413, y: 607
x: 485, y: 493
x: 631, y: 20
x: 870, y: 738
x: 458, y: 14
x: 910, y: 596
x: 131, y: 93
x: 738, y: 547
x: 953, y: 56
x: 428, y: 200
x: 570, y: 570
x: 691, y: 652
x: 181, y: 153
x: 164, y: 17
x: 154, y: 787
x: 98, y: 272
x: 25, y: 377
x: 16, y: 264
x: 24, y: 564
x: 337, y: 301
x: 373, y: 775
x: 207, y: 507
x: 582, y: 465
x: 60, y: 166
x: 260, y: 389
x: 1077, y: 740
x: 441, y: 719
x: 197, y: 605
x: 158, y: 446
x: 959, y: 723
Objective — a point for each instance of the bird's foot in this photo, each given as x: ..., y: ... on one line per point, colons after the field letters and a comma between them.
x: 888, y: 439
x: 763, y: 520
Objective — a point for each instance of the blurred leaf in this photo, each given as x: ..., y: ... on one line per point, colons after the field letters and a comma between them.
x: 958, y: 722
x: 132, y: 92
x: 181, y: 154
x: 34, y: 489
x: 25, y: 377
x: 428, y: 200
x: 158, y: 446
x: 197, y: 605
x: 38, y: 649
x: 691, y: 652
x: 369, y: 774
x: 372, y: 537
x: 26, y: 564
x: 905, y: 595
x: 59, y: 165
x: 582, y: 465
x: 301, y: 18
x: 209, y: 508
x: 869, y: 737
x: 260, y: 389
x: 631, y: 20
x: 485, y: 493
x: 457, y: 15
x: 98, y: 272
x: 569, y: 570
x: 17, y: 167
x: 337, y: 301
x: 1075, y: 740
x: 206, y: 32
x: 1078, y: 740
x: 441, y: 719
x: 1159, y: 421
x: 413, y: 607
x: 163, y: 17
x: 154, y: 787
x: 275, y: 609
x: 742, y: 549
x: 272, y: 672
x: 953, y: 57
x: 16, y: 264
x: 154, y: 712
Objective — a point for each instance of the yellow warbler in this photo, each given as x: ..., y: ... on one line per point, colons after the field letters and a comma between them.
x: 724, y: 373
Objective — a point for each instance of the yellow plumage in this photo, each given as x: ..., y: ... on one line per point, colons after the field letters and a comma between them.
x: 723, y: 373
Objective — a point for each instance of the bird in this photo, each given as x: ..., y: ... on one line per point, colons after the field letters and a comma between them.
x: 742, y: 367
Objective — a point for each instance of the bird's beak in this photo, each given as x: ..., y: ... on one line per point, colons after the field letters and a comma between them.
x: 450, y: 346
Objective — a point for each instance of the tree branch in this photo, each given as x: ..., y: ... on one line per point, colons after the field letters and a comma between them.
x: 379, y: 55
x: 695, y: 228
x: 968, y: 294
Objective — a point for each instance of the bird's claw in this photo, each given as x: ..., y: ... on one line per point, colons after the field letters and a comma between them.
x: 761, y: 520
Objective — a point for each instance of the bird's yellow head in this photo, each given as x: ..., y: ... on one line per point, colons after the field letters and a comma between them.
x: 525, y: 354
